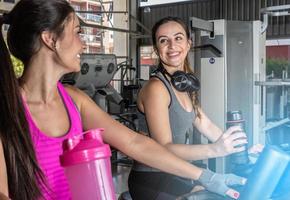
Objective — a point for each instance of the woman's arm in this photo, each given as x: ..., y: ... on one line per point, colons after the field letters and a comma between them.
x: 3, y: 172
x: 135, y: 145
x: 154, y: 100
x: 231, y: 141
x: 3, y: 197
x: 144, y: 149
x: 207, y: 127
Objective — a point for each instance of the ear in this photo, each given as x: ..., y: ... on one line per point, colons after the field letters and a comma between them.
x: 48, y: 40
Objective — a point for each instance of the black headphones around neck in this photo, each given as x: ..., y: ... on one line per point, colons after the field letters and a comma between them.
x: 181, y: 81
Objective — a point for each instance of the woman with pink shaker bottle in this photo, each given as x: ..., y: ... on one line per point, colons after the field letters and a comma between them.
x: 38, y: 113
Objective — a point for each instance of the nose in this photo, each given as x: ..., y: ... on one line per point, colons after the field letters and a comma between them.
x: 83, y: 41
x: 171, y: 43
x: 83, y: 38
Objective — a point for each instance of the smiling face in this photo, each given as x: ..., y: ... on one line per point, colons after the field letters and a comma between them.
x: 70, y: 46
x: 172, y: 45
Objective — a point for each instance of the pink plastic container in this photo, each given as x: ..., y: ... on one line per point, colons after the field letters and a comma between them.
x: 87, y: 164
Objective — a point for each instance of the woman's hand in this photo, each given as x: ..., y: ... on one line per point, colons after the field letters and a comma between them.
x: 256, y: 149
x: 254, y: 152
x: 220, y: 183
x: 232, y: 141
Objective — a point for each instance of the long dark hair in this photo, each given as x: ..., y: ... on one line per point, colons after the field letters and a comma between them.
x: 26, y: 22
x: 187, y: 67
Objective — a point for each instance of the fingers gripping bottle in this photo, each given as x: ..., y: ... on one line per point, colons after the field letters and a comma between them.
x: 235, y: 118
x: 86, y: 160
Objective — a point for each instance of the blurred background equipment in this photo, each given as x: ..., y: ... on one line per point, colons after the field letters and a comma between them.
x: 97, y: 70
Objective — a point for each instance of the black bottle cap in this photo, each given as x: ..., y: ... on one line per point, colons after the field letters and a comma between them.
x: 235, y: 115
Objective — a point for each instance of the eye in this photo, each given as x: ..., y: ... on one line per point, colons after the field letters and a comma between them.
x: 81, y: 34
x: 179, y: 38
x: 163, y: 41
x: 80, y: 31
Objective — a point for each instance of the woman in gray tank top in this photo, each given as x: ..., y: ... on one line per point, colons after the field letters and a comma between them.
x: 168, y: 112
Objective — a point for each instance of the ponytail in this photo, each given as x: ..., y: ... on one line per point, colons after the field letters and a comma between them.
x: 193, y: 95
x: 23, y: 172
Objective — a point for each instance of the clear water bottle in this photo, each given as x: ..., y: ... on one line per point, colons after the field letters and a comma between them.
x: 87, y: 164
x: 235, y: 118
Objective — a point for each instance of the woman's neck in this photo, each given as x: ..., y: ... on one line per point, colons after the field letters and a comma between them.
x: 172, y: 69
x: 39, y: 81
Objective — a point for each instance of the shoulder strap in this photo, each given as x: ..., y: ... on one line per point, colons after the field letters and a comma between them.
x: 161, y: 77
x: 71, y: 107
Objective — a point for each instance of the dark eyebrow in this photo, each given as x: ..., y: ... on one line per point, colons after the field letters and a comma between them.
x: 179, y: 33
x: 161, y: 37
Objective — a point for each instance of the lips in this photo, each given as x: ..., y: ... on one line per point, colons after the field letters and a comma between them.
x: 173, y: 54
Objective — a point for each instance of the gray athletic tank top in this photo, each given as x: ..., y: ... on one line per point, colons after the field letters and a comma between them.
x: 181, y: 122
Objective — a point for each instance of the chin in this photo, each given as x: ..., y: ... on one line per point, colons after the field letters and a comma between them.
x: 176, y: 66
x: 76, y: 68
x: 175, y: 63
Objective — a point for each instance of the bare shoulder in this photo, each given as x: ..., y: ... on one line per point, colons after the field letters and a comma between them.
x: 78, y: 96
x: 154, y: 87
x: 74, y: 91
x: 154, y: 90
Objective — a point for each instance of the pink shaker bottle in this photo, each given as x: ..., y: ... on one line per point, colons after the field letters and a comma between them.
x: 87, y: 166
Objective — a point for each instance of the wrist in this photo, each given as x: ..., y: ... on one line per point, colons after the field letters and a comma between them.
x: 199, y: 173
x: 214, y: 151
x: 205, y: 177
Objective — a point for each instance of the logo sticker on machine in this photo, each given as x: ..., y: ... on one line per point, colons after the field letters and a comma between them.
x: 211, y: 60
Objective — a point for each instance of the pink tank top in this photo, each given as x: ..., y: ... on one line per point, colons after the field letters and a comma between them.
x: 48, y: 149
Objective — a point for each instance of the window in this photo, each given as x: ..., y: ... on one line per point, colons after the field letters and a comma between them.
x: 278, y: 58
